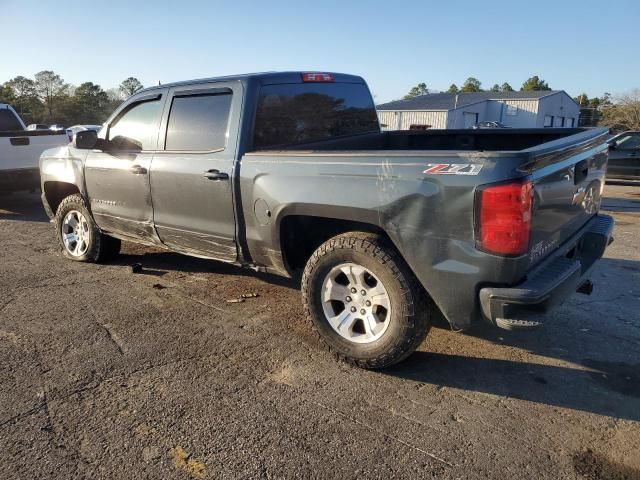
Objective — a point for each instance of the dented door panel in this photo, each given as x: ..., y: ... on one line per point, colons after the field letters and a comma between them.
x: 119, y: 193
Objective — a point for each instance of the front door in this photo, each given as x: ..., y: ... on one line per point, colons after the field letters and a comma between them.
x: 624, y: 158
x: 192, y: 171
x: 117, y: 174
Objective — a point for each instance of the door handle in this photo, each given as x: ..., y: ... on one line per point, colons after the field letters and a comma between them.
x: 19, y: 141
x: 138, y: 170
x: 215, y: 174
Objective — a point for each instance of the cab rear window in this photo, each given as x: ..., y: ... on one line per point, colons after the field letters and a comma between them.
x: 8, y: 121
x: 293, y: 114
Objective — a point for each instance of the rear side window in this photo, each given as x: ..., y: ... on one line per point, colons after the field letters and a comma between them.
x: 8, y: 120
x: 137, y: 128
x: 302, y: 113
x: 198, y: 122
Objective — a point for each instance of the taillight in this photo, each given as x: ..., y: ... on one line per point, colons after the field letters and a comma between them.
x: 317, y: 77
x: 504, y: 218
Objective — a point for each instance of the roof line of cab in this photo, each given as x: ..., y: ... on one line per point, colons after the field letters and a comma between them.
x: 265, y: 78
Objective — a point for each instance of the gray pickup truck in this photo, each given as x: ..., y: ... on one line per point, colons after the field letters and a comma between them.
x: 289, y: 173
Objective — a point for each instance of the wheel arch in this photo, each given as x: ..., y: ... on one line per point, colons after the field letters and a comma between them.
x: 301, y: 228
x: 301, y: 231
x: 56, y: 191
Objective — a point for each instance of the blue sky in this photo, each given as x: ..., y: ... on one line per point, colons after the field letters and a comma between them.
x: 575, y: 45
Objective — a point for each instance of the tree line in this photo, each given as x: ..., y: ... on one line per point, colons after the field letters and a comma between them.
x: 472, y: 84
x: 47, y: 98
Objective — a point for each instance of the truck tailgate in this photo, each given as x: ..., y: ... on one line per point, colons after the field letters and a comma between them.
x: 568, y: 180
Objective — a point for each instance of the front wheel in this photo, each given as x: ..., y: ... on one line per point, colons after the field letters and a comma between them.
x: 363, y: 301
x: 79, y: 236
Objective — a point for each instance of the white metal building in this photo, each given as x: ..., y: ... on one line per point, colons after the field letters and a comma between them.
x: 535, y: 109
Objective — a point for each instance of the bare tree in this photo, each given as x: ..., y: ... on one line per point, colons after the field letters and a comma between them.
x: 130, y: 86
x: 115, y: 95
x: 624, y: 114
x: 49, y: 88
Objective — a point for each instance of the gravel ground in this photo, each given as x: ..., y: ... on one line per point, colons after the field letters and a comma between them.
x: 109, y: 374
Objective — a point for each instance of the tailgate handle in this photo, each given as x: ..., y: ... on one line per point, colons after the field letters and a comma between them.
x: 581, y: 172
x: 19, y: 141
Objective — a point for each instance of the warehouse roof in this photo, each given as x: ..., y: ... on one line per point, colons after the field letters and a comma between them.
x: 447, y: 101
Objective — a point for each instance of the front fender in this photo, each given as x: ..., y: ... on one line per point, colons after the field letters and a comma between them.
x: 62, y: 165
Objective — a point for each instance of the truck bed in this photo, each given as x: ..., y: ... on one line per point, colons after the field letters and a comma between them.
x: 395, y: 181
x: 469, y: 140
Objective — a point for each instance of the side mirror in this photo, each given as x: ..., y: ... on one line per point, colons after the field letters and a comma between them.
x: 612, y: 145
x: 85, y: 140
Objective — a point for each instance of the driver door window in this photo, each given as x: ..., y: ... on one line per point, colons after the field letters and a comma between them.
x: 137, y: 128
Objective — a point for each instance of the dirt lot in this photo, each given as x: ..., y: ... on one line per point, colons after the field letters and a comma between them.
x: 109, y: 374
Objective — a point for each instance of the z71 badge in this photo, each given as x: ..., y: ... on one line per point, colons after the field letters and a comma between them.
x: 453, y: 168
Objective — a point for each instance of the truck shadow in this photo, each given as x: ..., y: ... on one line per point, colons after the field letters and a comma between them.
x: 158, y: 263
x: 587, y: 390
x: 22, y: 207
x: 587, y: 353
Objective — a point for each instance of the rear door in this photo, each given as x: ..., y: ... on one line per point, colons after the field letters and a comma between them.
x: 624, y: 157
x: 117, y: 175
x: 191, y: 174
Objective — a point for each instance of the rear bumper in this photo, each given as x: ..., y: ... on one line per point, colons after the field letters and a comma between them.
x: 551, y: 282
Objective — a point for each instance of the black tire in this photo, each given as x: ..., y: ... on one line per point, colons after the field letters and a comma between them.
x: 100, y: 248
x: 409, y: 321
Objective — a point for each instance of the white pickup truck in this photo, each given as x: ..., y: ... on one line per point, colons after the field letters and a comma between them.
x: 20, y: 151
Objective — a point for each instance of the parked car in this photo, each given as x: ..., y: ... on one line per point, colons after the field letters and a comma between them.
x: 489, y: 125
x: 71, y: 131
x: 289, y: 173
x: 624, y: 156
x: 38, y: 126
x: 20, y: 150
x: 56, y: 127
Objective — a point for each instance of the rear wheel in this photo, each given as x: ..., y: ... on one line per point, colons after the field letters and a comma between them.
x: 363, y: 301
x: 79, y: 236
